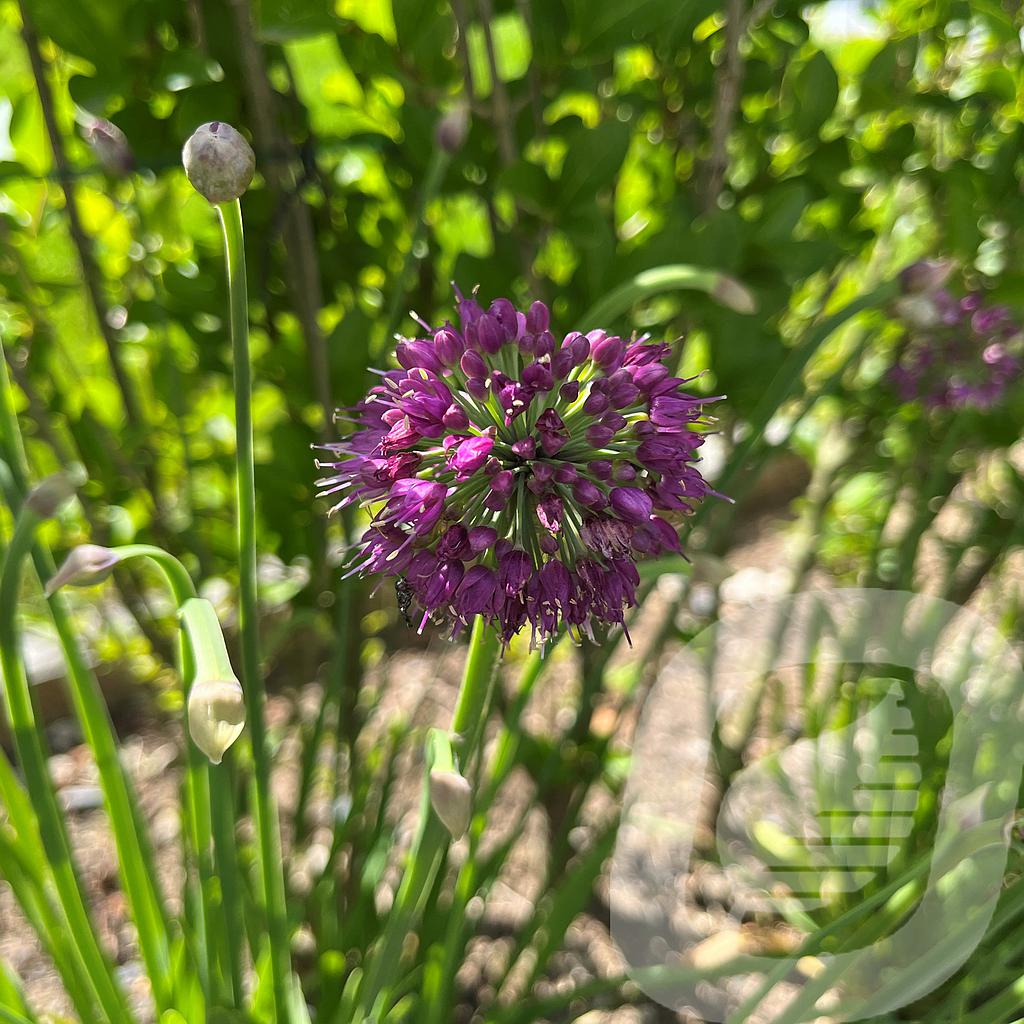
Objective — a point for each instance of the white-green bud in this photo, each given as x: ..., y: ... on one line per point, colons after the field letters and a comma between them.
x: 218, y: 161
x: 734, y: 295
x: 85, y: 565
x: 216, y: 715
x: 110, y: 145
x: 452, y: 800
x: 46, y: 498
x: 453, y: 128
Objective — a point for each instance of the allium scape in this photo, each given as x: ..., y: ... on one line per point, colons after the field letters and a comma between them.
x: 516, y: 477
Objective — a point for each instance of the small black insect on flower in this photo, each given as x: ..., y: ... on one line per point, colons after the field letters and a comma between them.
x: 404, y: 596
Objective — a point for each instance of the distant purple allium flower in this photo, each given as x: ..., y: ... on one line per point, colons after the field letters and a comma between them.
x: 959, y: 353
x: 516, y: 477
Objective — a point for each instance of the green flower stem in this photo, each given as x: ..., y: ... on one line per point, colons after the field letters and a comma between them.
x: 135, y: 855
x: 471, y: 706
x: 206, y: 797
x: 476, y: 873
x: 271, y: 872
x: 209, y: 652
x: 178, y: 579
x: 32, y: 756
x: 208, y: 658
x: 432, y: 839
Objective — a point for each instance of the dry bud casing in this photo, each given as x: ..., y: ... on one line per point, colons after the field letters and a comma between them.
x: 218, y: 161
x: 452, y: 799
x: 216, y: 715
x: 85, y: 565
x: 216, y: 702
x: 47, y: 497
x: 110, y: 145
x: 452, y: 129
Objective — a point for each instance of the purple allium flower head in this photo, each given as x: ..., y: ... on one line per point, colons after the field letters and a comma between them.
x: 517, y: 478
x: 957, y: 353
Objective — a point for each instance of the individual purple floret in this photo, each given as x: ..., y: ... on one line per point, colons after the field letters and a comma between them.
x: 517, y: 477
x: 959, y: 353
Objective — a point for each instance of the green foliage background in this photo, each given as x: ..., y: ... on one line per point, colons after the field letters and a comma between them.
x: 806, y: 152
x: 591, y: 158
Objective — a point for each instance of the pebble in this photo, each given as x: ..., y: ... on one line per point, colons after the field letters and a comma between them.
x: 77, y: 799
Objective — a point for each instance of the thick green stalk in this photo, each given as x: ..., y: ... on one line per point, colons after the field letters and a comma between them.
x: 477, y: 874
x: 432, y: 839
x: 209, y: 804
x: 269, y: 843
x: 178, y: 579
x: 32, y: 756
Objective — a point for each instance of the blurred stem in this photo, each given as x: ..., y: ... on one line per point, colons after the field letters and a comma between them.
x: 503, y: 119
x: 90, y: 272
x: 728, y: 91
x: 270, y: 863
x: 939, y: 484
x: 728, y: 85
x: 32, y: 756
x: 440, y: 160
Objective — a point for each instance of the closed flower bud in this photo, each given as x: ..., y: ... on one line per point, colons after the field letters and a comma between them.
x: 216, y: 715
x: 733, y: 295
x: 452, y: 129
x: 46, y: 498
x: 538, y: 318
x: 110, y: 146
x: 449, y: 346
x: 218, y: 161
x: 85, y: 565
x: 452, y: 800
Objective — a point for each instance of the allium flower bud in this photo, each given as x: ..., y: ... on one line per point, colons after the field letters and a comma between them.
x: 218, y: 161
x: 733, y: 295
x: 490, y: 334
x: 473, y: 365
x: 608, y: 353
x: 448, y: 346
x: 538, y: 318
x: 452, y: 129
x: 631, y: 504
x: 452, y: 799
x: 110, y: 145
x: 85, y: 565
x: 47, y: 497
x: 216, y: 715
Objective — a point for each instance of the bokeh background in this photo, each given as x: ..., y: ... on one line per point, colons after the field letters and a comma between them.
x: 551, y: 149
